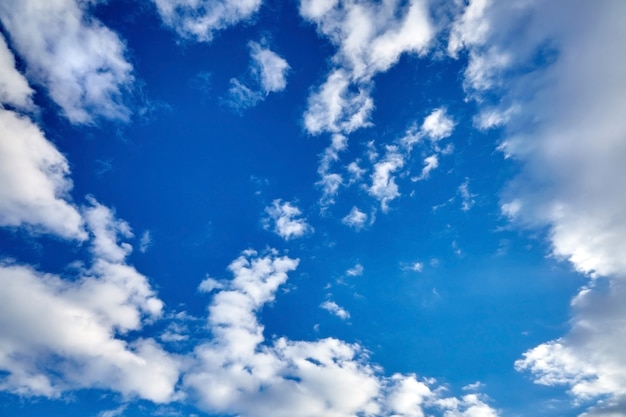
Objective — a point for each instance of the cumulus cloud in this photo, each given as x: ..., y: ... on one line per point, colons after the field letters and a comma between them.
x: 34, y: 182
x: 355, y: 219
x: 79, y: 61
x: 239, y: 372
x: 285, y: 221
x: 42, y: 314
x: 201, y: 19
x: 14, y: 89
x: 384, y: 187
x: 270, y: 68
x: 568, y: 138
x: 437, y: 125
x: 370, y: 38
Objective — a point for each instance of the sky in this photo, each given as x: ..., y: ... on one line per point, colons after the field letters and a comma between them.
x: 312, y: 208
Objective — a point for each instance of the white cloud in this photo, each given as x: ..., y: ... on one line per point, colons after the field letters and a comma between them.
x: 370, y: 38
x: 338, y: 107
x: 430, y: 163
x: 14, y: 89
x: 241, y: 97
x: 42, y: 314
x: 145, y: 242
x: 467, y: 198
x: 200, y: 19
x: 268, y: 72
x: 437, y: 125
x: 384, y: 187
x: 270, y: 68
x: 417, y: 267
x: 241, y: 373
x: 568, y: 137
x: 355, y: 271
x: 80, y: 62
x: 355, y: 219
x: 331, y: 181
x: 34, y: 183
x: 286, y: 220
x: 209, y: 284
x: 333, y: 308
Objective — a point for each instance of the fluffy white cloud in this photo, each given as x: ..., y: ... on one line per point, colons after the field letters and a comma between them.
x: 569, y: 139
x: 14, y: 89
x: 286, y: 220
x: 384, y: 187
x: 437, y: 125
x: 61, y: 334
x: 239, y: 372
x: 370, y: 37
x: 334, y: 308
x: 34, y: 183
x: 270, y: 68
x: 355, y: 219
x: 200, y: 19
x: 80, y: 62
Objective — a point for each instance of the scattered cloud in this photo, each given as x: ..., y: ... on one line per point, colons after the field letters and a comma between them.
x: 270, y: 69
x: 286, y: 220
x: 467, y: 198
x: 201, y: 19
x: 437, y: 125
x: 384, y: 187
x: 241, y: 373
x: 333, y: 308
x: 80, y: 62
x: 145, y: 242
x: 355, y: 271
x: 370, y: 37
x: 355, y: 219
x: 269, y: 74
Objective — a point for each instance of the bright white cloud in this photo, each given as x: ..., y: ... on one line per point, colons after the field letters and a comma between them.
x: 430, y: 163
x: 334, y: 309
x: 370, y: 38
x: 437, y: 125
x: 270, y: 68
x: 42, y: 314
x: 269, y: 74
x: 568, y: 136
x: 384, y: 187
x: 201, y: 19
x: 14, y: 89
x: 286, y: 220
x: 355, y: 219
x: 80, y: 62
x: 34, y: 183
x: 239, y: 372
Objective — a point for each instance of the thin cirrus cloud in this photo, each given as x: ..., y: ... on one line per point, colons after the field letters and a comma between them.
x: 572, y: 155
x: 80, y: 62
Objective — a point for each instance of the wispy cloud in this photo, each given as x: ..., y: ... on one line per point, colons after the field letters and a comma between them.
x: 201, y: 19
x: 333, y: 308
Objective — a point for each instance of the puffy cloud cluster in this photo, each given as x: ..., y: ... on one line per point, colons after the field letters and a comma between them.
x: 240, y: 372
x: 61, y: 334
x: 201, y: 19
x: 285, y: 221
x: 569, y: 139
x: 370, y: 37
x: 80, y: 62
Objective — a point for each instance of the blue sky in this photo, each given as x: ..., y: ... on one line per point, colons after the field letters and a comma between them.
x: 312, y: 208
